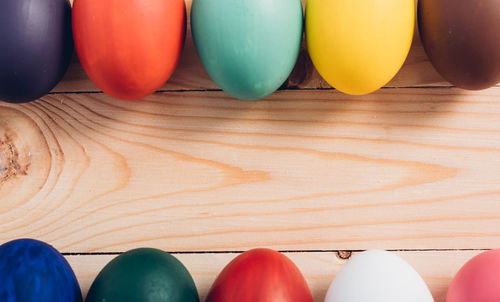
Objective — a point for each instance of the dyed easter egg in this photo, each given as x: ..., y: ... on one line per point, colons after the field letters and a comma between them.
x: 477, y: 280
x: 461, y: 40
x: 248, y: 47
x: 378, y: 276
x: 143, y: 275
x: 358, y: 46
x: 260, y: 275
x: 33, y: 271
x: 36, y: 47
x: 129, y: 49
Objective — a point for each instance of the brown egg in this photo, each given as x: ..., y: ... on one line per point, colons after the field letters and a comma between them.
x: 462, y: 40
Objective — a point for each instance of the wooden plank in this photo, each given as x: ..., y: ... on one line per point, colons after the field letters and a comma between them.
x: 399, y: 169
x: 190, y: 74
x: 318, y: 268
x: 402, y: 169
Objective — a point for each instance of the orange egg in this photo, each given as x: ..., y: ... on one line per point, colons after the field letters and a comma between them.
x: 129, y: 49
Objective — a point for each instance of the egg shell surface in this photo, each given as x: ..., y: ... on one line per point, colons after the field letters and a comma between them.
x: 358, y: 46
x: 129, y: 49
x: 477, y: 280
x: 461, y: 38
x: 378, y: 276
x: 36, y: 47
x: 143, y: 274
x: 33, y: 271
x: 260, y: 275
x: 248, y: 47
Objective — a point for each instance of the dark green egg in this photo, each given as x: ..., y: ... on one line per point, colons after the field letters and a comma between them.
x: 143, y: 275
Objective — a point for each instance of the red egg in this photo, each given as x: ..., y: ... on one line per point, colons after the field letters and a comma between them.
x: 261, y: 275
x: 477, y: 280
x: 129, y: 49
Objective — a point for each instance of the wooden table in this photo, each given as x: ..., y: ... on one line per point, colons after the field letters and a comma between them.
x: 413, y: 168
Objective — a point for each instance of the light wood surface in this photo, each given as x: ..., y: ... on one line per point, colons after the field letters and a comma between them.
x: 413, y: 168
x: 190, y: 171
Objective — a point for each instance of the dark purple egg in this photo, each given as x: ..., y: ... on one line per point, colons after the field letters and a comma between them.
x: 462, y: 40
x: 36, y: 46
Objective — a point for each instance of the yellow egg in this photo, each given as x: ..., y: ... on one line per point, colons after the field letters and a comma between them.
x: 358, y: 46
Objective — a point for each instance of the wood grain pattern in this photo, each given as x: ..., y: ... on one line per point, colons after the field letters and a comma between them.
x: 190, y: 74
x: 189, y: 171
x: 412, y: 168
x: 318, y: 268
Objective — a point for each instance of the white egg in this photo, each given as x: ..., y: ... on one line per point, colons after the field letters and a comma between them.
x: 378, y: 276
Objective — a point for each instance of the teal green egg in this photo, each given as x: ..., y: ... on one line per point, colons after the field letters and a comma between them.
x: 248, y: 47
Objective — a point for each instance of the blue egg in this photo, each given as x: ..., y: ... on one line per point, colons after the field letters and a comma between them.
x: 33, y: 271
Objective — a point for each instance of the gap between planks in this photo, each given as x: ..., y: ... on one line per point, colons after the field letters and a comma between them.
x: 281, y: 89
x: 281, y: 251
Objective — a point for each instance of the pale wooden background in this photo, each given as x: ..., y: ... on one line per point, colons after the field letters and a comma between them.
x: 413, y: 168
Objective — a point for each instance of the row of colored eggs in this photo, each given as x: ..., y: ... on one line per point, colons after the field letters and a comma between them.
x: 32, y: 270
x: 248, y: 47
